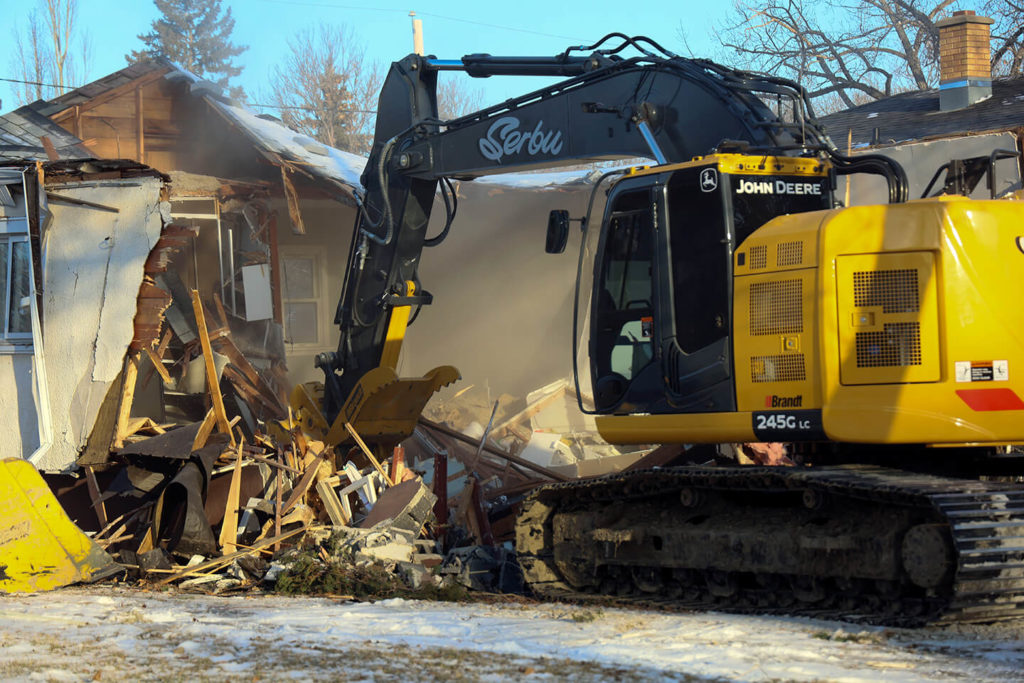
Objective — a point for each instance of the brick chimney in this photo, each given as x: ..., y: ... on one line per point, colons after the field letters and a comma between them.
x: 965, y: 72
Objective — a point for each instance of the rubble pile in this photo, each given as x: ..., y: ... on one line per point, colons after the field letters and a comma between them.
x: 228, y: 492
x: 241, y: 497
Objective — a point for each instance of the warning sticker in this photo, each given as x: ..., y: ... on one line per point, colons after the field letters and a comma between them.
x: 982, y: 371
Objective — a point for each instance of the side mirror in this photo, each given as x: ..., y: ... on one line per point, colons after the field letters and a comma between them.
x: 558, y: 231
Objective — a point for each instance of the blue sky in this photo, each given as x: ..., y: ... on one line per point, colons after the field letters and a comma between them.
x: 451, y: 29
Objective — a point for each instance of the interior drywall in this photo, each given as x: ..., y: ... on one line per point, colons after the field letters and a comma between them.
x: 502, y: 311
x: 93, y: 267
x: 328, y: 236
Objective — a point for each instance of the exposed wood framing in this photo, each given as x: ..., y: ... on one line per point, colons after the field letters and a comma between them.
x: 94, y: 495
x: 205, y: 429
x: 369, y: 455
x: 124, y: 409
x: 229, y: 527
x: 51, y: 151
x: 140, y: 144
x: 211, y: 371
x: 275, y: 270
x: 292, y: 197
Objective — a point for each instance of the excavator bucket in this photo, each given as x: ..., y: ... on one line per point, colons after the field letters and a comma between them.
x: 382, y: 407
x: 40, y: 547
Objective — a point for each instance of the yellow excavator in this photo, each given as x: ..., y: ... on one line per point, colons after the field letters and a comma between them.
x: 725, y: 296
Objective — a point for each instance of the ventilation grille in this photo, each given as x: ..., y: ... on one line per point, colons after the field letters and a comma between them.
x: 782, y: 368
x: 898, y: 345
x: 894, y: 290
x: 776, y: 308
x: 758, y: 257
x: 790, y: 254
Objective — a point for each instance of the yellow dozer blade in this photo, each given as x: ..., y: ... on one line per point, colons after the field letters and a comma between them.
x: 40, y: 547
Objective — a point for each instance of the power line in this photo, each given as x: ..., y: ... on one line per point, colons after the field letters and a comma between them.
x: 298, y: 107
x: 48, y: 85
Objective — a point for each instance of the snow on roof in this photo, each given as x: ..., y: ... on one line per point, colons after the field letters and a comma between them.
x: 319, y: 159
x: 545, y: 180
x: 343, y: 167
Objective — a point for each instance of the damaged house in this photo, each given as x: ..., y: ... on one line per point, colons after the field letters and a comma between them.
x: 191, y: 202
x: 258, y: 219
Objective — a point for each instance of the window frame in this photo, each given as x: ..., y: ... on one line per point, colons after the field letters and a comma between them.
x: 14, y: 342
x: 315, y: 257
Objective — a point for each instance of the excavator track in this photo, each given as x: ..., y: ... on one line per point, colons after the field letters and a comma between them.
x: 858, y: 543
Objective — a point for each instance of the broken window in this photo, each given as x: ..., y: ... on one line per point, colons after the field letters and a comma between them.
x: 16, y: 280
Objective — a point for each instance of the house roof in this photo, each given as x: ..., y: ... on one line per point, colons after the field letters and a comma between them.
x: 101, y: 86
x: 21, y: 133
x: 280, y: 144
x: 916, y: 116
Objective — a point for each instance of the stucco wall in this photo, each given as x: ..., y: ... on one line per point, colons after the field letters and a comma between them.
x: 93, y: 266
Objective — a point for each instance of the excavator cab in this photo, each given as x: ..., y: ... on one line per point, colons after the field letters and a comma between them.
x: 660, y: 337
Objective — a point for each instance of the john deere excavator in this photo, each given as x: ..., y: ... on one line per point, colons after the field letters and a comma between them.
x: 726, y: 297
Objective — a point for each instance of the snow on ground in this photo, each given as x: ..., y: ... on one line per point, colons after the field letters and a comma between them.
x: 111, y: 633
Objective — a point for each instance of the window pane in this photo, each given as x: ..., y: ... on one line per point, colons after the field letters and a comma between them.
x: 300, y: 323
x: 4, y: 247
x: 298, y: 278
x: 21, y: 291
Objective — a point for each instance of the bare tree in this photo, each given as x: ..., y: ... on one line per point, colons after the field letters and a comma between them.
x: 50, y: 54
x: 1007, y: 36
x: 60, y: 19
x: 30, y: 60
x: 455, y: 98
x: 326, y: 89
x: 850, y: 51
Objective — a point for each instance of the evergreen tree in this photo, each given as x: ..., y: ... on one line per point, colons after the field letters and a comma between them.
x: 195, y: 35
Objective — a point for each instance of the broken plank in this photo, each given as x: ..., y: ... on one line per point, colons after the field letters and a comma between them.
x: 158, y: 365
x: 228, y: 559
x: 64, y: 199
x: 94, y: 495
x: 211, y: 370
x: 277, y: 500
x: 273, y: 463
x: 205, y: 429
x: 332, y: 504
x: 229, y: 526
x: 366, y: 451
x: 124, y: 408
x: 227, y: 347
x: 292, y: 198
x: 300, y: 489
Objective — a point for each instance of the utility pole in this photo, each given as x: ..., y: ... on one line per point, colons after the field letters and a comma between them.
x: 417, y: 34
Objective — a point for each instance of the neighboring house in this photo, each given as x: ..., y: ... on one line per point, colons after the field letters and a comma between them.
x: 968, y: 115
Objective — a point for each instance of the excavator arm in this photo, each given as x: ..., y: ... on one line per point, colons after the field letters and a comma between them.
x: 654, y: 105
